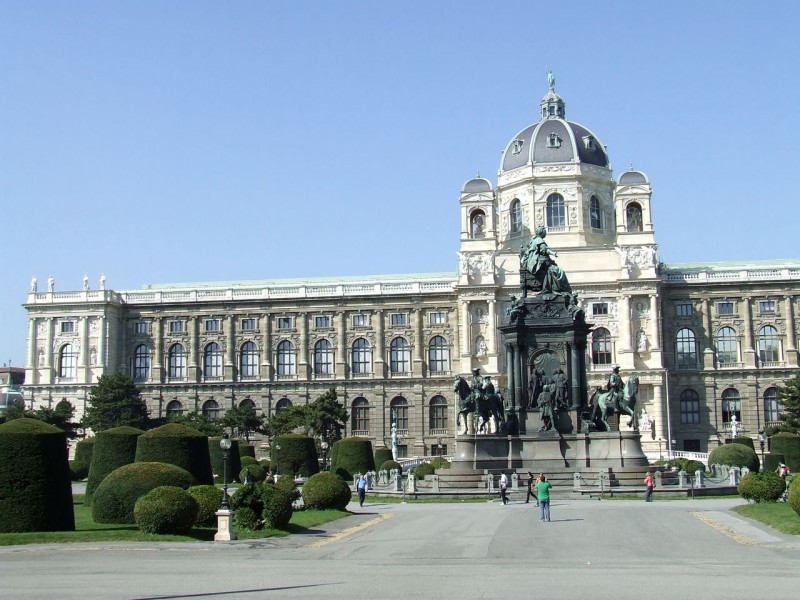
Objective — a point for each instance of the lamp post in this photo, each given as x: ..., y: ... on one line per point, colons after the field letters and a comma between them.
x: 324, y: 446
x: 761, y: 441
x: 672, y: 449
x: 225, y: 532
x: 275, y: 461
x: 225, y: 444
x: 660, y: 454
x: 439, y: 445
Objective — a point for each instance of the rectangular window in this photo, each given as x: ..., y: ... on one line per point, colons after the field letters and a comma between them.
x: 248, y: 324
x: 600, y: 308
x: 322, y: 322
x: 398, y: 319
x: 140, y: 327
x: 212, y: 324
x: 766, y: 306
x: 359, y: 320
x: 725, y: 308
x: 176, y: 326
x: 437, y: 318
x: 691, y: 446
x: 284, y: 322
x: 684, y: 309
x: 67, y: 326
x: 690, y: 412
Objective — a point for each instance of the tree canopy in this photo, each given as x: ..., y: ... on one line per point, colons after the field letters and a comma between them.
x: 200, y: 422
x: 60, y: 416
x: 244, y: 420
x: 324, y: 414
x: 789, y: 400
x: 115, y: 401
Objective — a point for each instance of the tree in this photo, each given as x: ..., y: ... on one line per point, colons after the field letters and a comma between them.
x: 325, y: 414
x: 287, y: 420
x: 115, y: 401
x: 789, y: 400
x: 200, y: 422
x: 244, y: 420
x: 60, y: 416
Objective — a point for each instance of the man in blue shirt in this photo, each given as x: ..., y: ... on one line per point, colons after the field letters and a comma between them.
x: 361, y: 488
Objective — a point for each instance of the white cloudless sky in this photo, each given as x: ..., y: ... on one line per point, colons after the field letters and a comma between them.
x: 184, y: 141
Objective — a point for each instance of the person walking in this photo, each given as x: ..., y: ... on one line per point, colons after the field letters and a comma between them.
x: 649, y: 482
x: 531, y: 489
x: 503, y: 488
x: 361, y: 488
x: 543, y: 493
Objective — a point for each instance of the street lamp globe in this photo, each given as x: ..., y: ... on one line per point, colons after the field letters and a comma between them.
x: 225, y: 444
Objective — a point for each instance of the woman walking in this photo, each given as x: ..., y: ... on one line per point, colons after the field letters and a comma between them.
x: 543, y: 493
x: 648, y: 485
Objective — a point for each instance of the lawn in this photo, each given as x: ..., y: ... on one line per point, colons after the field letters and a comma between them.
x: 778, y: 515
x: 86, y: 530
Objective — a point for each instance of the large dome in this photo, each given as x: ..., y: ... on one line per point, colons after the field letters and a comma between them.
x: 553, y: 140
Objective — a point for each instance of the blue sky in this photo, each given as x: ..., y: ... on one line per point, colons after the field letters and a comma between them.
x: 197, y: 141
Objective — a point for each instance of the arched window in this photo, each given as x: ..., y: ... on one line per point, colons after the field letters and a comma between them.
x: 360, y: 418
x: 601, y: 346
x: 212, y: 360
x: 685, y: 349
x: 362, y: 357
x: 174, y: 408
x: 438, y: 355
x: 211, y: 409
x: 176, y: 362
x: 556, y: 212
x: 282, y: 403
x: 247, y: 403
x: 690, y: 407
x: 731, y: 405
x: 438, y: 413
x: 769, y: 349
x: 399, y: 409
x: 772, y: 412
x: 516, y: 216
x: 287, y: 358
x: 477, y: 224
x: 727, y: 348
x: 633, y: 217
x: 595, y: 214
x: 323, y: 358
x: 248, y: 360
x: 67, y: 362
x: 399, y: 356
x: 141, y: 362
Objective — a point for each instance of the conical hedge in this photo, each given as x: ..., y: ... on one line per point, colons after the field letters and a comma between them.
x: 113, y: 448
x: 35, y: 486
x: 297, y: 455
x: 178, y: 445
x: 352, y: 455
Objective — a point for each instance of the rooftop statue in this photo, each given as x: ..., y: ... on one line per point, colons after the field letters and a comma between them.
x: 537, y: 259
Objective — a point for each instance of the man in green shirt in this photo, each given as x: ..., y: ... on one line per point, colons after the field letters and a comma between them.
x: 543, y: 492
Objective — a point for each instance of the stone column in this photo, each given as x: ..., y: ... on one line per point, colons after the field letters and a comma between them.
x: 194, y: 368
x: 49, y: 351
x: 341, y: 347
x: 466, y: 346
x: 708, y: 337
x: 266, y: 350
x: 158, y: 358
x: 419, y: 344
x: 102, y: 336
x: 791, y: 337
x: 624, y: 350
x: 512, y: 376
x: 230, y: 348
x: 380, y: 347
x: 491, y: 330
x: 302, y: 359
x: 749, y: 350
x: 655, y: 319
x: 32, y: 373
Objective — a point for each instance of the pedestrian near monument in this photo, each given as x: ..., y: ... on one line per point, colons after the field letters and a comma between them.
x: 503, y: 488
x: 543, y: 493
x: 531, y: 489
x: 649, y: 482
x: 361, y: 488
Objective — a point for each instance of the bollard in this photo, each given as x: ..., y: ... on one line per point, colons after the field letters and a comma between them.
x: 435, y: 482
x: 699, y: 477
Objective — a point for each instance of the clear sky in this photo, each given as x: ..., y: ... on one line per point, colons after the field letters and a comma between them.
x: 186, y: 141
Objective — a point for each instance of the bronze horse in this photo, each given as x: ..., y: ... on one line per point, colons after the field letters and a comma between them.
x: 603, y: 406
x: 481, y: 405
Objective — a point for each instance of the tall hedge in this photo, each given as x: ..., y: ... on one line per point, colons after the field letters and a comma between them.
x: 234, y: 459
x: 113, y: 448
x: 745, y: 441
x: 352, y: 455
x: 245, y: 449
x: 787, y: 444
x: 116, y: 496
x: 177, y: 445
x: 84, y: 450
x: 383, y: 455
x: 297, y: 455
x: 35, y: 486
x: 734, y: 455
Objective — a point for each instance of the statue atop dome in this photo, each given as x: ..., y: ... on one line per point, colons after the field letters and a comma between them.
x: 551, y: 80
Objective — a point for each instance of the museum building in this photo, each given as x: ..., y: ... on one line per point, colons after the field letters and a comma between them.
x: 709, y: 341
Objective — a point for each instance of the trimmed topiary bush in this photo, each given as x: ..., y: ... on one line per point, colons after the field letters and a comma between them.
x: 326, y: 490
x: 166, y: 509
x: 35, y: 486
x: 424, y: 469
x: 83, y: 453
x: 245, y: 449
x: 772, y: 461
x: 113, y: 448
x: 787, y: 444
x: 391, y: 464
x: 288, y: 485
x: 734, y: 455
x: 352, y: 455
x: 177, y: 445
x: 265, y: 463
x: 440, y: 462
x: 297, y: 455
x: 115, y: 497
x: 382, y: 455
x: 744, y: 440
x: 794, y: 494
x: 78, y: 470
x: 259, y: 505
x: 217, y: 464
x: 247, y: 460
x: 277, y: 507
x: 209, y: 500
x: 761, y: 487
x: 257, y: 473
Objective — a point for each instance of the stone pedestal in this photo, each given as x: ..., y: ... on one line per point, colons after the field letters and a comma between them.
x: 225, y: 532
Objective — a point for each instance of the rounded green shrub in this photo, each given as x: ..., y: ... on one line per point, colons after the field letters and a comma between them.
x: 113, y: 448
x: 78, y: 470
x: 247, y: 518
x: 424, y: 469
x: 288, y: 485
x: 391, y: 464
x: 115, y: 497
x: 787, y: 444
x: 257, y: 473
x: 35, y: 486
x: 326, y: 490
x: 218, y: 464
x: 440, y: 462
x: 794, y: 494
x: 177, y: 445
x: 297, y: 455
x: 247, y: 460
x: 166, y: 509
x: 83, y: 453
x: 265, y: 463
x: 734, y: 455
x: 209, y: 500
x: 245, y: 449
x: 744, y: 440
x: 352, y: 455
x: 773, y: 460
x: 382, y: 455
x: 277, y: 507
x: 259, y: 505
x: 761, y: 487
